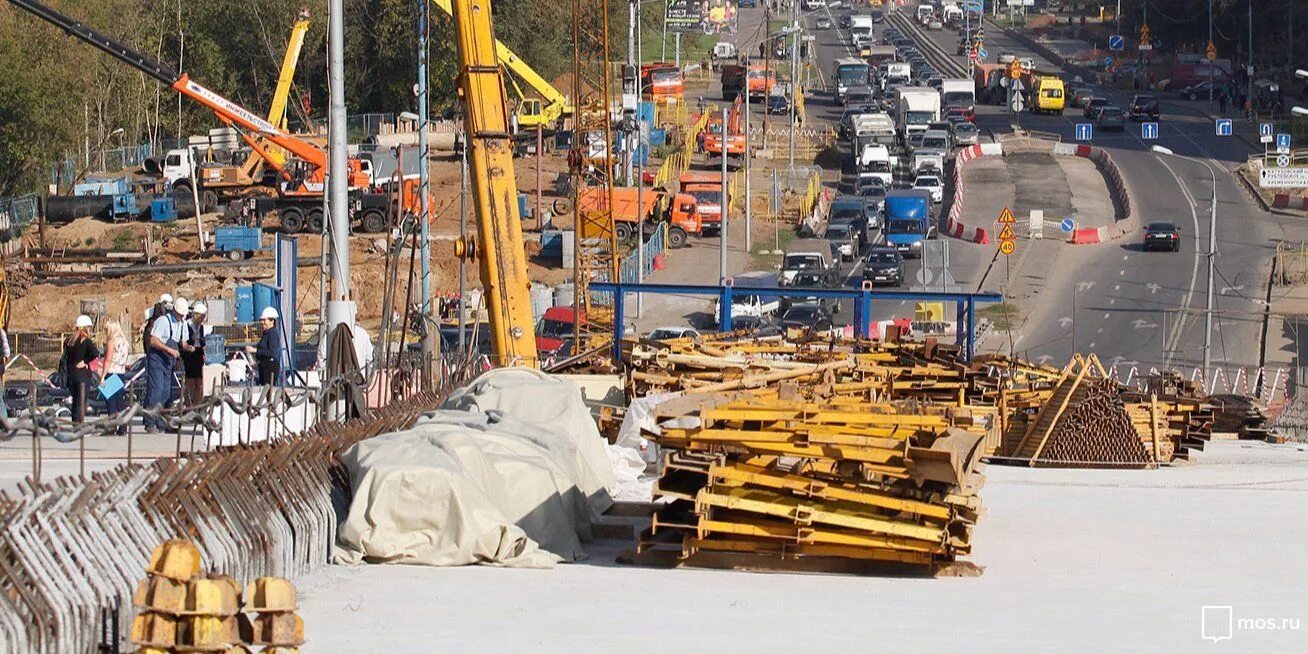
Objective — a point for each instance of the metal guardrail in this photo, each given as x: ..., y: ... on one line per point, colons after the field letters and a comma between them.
x: 942, y: 60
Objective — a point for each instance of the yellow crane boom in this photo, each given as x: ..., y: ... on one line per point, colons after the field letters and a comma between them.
x: 531, y: 112
x: 277, y: 112
x: 498, y: 248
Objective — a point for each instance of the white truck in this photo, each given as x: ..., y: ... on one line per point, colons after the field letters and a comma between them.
x: 958, y: 92
x: 873, y: 129
x: 952, y: 15
x: 897, y: 72
x: 874, y: 162
x: 860, y: 29
x: 747, y: 304
x: 915, y: 108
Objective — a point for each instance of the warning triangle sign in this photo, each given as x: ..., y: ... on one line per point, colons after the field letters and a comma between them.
x: 1006, y: 216
x: 1006, y: 234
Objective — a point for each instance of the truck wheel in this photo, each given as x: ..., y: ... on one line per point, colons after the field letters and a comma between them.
x: 313, y: 221
x: 209, y: 199
x: 292, y: 221
x: 374, y: 222
x: 676, y: 238
x: 622, y: 230
x: 235, y: 255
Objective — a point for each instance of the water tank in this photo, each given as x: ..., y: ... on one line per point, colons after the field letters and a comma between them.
x: 542, y: 298
x: 565, y: 294
x: 263, y: 298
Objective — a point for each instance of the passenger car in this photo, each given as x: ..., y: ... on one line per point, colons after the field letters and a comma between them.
x: 1081, y: 96
x: 1092, y: 107
x: 966, y: 134
x: 931, y: 184
x: 1162, y: 236
x: 883, y: 265
x: 1196, y: 91
x: 1144, y: 107
x: 859, y: 95
x: 822, y: 23
x: 1111, y: 117
x: 778, y: 104
x: 807, y: 316
x: 844, y: 240
x: 672, y: 333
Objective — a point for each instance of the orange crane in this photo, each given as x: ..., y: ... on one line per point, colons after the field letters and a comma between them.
x: 299, y: 200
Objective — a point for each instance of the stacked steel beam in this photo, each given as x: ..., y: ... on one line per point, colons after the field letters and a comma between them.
x: 1098, y: 431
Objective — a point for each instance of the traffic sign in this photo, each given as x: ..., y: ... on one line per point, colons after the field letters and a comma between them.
x: 1085, y: 131
x: 1006, y: 217
x: 973, y: 5
x: 1017, y: 104
x: 1283, y: 177
x: 1211, y: 53
x: 1283, y: 160
x: 1116, y: 42
x: 1283, y: 143
x: 1224, y: 126
x: 1007, y: 247
x: 1145, y: 47
x: 1015, y: 69
x: 1148, y: 130
x: 1108, y: 62
x: 982, y: 53
x: 1067, y: 225
x: 972, y: 55
x: 1265, y: 132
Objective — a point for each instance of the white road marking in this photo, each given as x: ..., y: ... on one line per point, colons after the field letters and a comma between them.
x: 1084, y: 286
x: 1065, y: 322
x: 1153, y: 288
x: 1139, y: 323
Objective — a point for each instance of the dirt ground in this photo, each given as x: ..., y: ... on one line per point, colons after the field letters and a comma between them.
x: 50, y: 305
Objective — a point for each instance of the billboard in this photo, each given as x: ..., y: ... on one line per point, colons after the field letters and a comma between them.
x: 702, y: 16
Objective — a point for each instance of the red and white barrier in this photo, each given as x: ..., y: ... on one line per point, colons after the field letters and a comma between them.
x: 1287, y: 201
x: 953, y: 225
x: 1117, y: 186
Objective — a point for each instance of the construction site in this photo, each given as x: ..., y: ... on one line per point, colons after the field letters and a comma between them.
x: 696, y: 328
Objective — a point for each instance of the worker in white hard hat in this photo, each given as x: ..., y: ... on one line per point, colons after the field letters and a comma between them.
x: 267, y: 355
x: 79, y: 352
x: 193, y: 356
x: 163, y: 345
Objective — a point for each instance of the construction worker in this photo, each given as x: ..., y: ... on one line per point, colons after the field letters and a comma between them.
x: 166, y: 335
x: 79, y: 352
x: 4, y: 364
x: 267, y: 355
x: 193, y: 356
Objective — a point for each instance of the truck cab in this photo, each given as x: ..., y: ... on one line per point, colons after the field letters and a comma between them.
x: 806, y: 255
x: 556, y: 332
x: 875, y: 162
x: 909, y: 222
x: 661, y: 81
x: 706, y: 189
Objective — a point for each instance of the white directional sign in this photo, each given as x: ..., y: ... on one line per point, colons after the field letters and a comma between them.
x: 1085, y: 131
x: 1283, y: 178
x: 1224, y: 127
x: 1017, y: 85
x: 1017, y: 104
x: 1148, y: 130
x: 1265, y: 132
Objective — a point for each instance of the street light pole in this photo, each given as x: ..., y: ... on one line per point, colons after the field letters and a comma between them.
x: 1211, y: 64
x: 794, y: 79
x: 1211, y: 256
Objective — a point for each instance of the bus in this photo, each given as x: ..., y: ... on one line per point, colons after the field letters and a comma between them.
x: 850, y: 72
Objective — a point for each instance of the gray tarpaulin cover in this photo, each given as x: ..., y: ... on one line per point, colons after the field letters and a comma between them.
x: 511, y: 471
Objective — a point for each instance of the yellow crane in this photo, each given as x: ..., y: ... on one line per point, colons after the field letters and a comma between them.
x: 545, y: 111
x: 250, y: 172
x: 497, y: 246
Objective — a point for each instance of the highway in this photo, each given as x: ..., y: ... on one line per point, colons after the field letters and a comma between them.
x: 1132, y: 308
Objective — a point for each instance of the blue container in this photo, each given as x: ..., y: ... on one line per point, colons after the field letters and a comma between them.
x: 524, y: 208
x: 215, y: 348
x: 263, y: 298
x: 163, y: 210
x: 240, y: 239
x: 551, y: 244
x: 244, y: 304
x: 647, y: 112
x: 658, y: 137
x: 563, y: 139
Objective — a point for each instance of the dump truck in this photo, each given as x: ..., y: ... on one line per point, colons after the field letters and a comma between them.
x: 707, y: 190
x: 679, y: 210
x: 661, y: 81
x: 761, y: 80
x: 726, y: 140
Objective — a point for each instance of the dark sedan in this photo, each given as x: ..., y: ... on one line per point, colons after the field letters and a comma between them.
x: 884, y: 265
x: 1144, y: 107
x: 807, y: 316
x: 1162, y: 236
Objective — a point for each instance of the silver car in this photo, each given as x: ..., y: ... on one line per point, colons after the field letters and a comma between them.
x: 1111, y: 117
x: 966, y: 134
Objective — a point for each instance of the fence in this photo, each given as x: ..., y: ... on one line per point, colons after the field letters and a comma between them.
x: 628, y: 268
x: 15, y: 215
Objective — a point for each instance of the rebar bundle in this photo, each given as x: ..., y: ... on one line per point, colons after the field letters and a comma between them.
x: 1096, y: 432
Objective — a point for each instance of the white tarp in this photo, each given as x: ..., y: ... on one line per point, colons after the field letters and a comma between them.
x: 511, y: 471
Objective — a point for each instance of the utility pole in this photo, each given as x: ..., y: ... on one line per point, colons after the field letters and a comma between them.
x: 1212, y: 262
x: 424, y: 211
x: 794, y: 79
x: 463, y: 234
x: 748, y: 212
x: 1249, y: 72
x: 723, y: 201
x: 676, y: 48
x: 1210, y: 64
x: 663, y: 54
x: 640, y: 166
x: 338, y: 154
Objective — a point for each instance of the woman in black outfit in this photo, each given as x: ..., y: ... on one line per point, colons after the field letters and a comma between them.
x: 267, y: 354
x: 79, y: 352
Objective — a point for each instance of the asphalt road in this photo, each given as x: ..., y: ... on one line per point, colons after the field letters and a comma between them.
x: 1135, y: 308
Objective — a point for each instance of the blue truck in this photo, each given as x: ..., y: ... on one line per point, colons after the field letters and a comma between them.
x: 909, y: 222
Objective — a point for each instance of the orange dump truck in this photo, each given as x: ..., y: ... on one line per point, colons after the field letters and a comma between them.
x: 680, y: 211
x: 662, y: 80
x: 715, y: 135
x: 706, y: 188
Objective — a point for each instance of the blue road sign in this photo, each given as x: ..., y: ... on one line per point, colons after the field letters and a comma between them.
x: 1108, y: 62
x: 1282, y: 142
x: 1084, y: 131
x: 973, y: 5
x: 1224, y: 127
x: 1266, y: 129
x: 982, y: 53
x: 1068, y: 224
x: 1116, y: 42
x: 1148, y: 130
